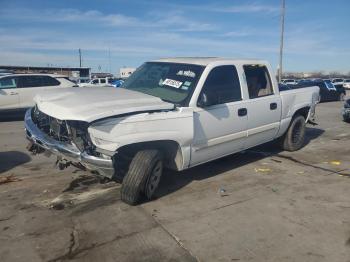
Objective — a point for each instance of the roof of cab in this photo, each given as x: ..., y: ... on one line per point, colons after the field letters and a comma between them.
x: 204, y: 61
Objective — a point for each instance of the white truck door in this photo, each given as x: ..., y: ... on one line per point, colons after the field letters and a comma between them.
x: 9, y: 98
x: 220, y: 120
x: 264, y: 106
x: 31, y: 85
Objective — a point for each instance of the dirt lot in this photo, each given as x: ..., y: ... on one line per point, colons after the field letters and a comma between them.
x: 274, y: 206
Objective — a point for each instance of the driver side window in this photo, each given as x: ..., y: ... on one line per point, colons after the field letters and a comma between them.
x: 221, y: 86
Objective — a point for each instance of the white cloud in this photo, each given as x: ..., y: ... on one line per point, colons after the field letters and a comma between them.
x: 247, y: 8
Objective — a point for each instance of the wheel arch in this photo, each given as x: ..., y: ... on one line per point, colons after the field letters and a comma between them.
x: 171, y: 150
x: 303, y: 111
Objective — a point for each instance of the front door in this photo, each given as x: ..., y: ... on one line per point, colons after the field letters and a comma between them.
x: 220, y: 120
x: 9, y: 98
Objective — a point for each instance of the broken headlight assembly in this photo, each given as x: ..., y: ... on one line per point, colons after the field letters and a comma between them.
x: 80, y: 136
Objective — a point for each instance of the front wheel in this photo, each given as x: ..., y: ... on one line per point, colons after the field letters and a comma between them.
x: 294, y: 138
x: 143, y: 176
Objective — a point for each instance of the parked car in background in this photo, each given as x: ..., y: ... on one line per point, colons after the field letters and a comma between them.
x: 346, y: 111
x: 18, y: 90
x: 105, y: 81
x: 328, y: 91
x: 305, y: 82
x: 346, y: 83
x: 337, y: 81
x: 175, y: 113
x: 289, y: 81
x: 117, y: 82
x: 283, y: 87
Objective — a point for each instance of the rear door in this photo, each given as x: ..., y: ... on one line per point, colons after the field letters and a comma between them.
x: 263, y: 105
x: 31, y: 85
x: 9, y: 98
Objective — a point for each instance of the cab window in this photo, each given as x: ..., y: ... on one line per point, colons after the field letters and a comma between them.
x: 258, y: 81
x: 221, y: 86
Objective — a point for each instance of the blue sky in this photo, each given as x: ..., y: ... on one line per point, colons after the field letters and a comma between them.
x: 42, y: 32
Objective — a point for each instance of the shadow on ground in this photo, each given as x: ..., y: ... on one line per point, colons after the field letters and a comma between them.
x: 173, y: 181
x: 11, y: 159
x: 12, y: 116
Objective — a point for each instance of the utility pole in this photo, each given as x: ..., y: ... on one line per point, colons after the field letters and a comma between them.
x: 79, y: 57
x: 280, y: 70
x: 109, y: 59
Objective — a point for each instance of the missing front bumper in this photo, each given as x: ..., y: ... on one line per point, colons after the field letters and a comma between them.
x: 40, y: 142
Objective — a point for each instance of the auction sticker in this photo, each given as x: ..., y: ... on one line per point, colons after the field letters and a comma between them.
x: 172, y: 83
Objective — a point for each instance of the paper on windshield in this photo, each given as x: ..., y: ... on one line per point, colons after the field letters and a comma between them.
x: 172, y: 83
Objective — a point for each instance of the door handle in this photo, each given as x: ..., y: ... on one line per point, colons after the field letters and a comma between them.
x: 242, y: 112
x: 13, y: 93
x: 273, y: 106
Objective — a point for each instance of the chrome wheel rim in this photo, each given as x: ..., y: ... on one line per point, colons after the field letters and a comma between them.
x: 154, y: 179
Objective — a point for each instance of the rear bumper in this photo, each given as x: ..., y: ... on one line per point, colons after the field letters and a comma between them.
x: 69, y: 152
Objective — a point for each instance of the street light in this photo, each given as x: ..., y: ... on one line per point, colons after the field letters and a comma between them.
x: 283, y: 8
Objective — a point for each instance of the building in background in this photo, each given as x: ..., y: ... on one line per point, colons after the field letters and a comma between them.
x: 73, y: 73
x: 125, y: 72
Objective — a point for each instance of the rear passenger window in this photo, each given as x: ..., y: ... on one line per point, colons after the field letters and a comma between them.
x: 38, y: 81
x: 103, y: 81
x: 222, y: 85
x: 50, y: 81
x: 30, y: 81
x: 258, y: 81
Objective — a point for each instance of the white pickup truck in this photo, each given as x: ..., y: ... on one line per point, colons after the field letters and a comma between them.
x: 171, y: 113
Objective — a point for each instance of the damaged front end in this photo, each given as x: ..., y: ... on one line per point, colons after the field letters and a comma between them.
x: 68, y: 140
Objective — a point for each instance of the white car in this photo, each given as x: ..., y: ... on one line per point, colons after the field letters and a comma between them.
x: 97, y: 82
x: 175, y: 113
x: 337, y: 81
x: 289, y: 81
x: 18, y: 90
x: 346, y: 83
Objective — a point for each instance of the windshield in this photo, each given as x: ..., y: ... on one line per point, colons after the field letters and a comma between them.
x: 171, y: 82
x: 330, y: 86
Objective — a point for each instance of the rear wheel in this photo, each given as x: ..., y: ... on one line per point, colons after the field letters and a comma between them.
x: 143, y: 176
x: 294, y: 138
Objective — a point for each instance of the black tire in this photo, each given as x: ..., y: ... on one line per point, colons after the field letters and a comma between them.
x: 294, y: 138
x: 136, y: 181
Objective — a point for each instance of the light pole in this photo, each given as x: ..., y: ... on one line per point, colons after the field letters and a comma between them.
x: 79, y: 57
x: 283, y: 9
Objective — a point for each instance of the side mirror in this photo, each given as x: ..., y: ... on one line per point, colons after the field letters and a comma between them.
x: 203, y: 100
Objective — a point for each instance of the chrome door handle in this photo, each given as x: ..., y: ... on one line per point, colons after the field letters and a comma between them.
x: 13, y: 93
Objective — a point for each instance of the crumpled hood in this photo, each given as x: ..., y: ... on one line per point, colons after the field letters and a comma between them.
x: 92, y: 103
